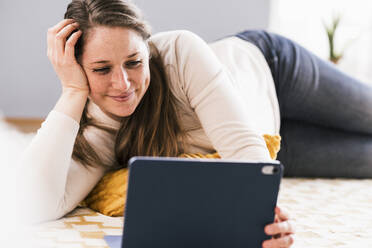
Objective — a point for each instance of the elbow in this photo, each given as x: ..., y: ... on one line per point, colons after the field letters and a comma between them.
x: 38, y: 203
x: 34, y: 211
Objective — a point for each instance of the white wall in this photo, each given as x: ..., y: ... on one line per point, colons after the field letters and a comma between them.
x: 210, y: 19
x: 28, y: 84
x: 303, y: 21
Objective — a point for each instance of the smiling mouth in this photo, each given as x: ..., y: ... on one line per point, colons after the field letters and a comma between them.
x: 123, y: 97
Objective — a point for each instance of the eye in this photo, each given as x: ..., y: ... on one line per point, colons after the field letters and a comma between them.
x: 133, y: 63
x: 103, y: 70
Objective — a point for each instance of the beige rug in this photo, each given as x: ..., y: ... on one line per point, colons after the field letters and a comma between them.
x: 327, y: 213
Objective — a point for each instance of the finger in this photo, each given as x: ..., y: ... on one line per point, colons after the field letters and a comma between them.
x: 279, y: 228
x: 282, y: 214
x: 60, y: 40
x: 56, y: 28
x: 52, y: 33
x: 276, y: 219
x: 283, y: 242
x: 50, y: 45
x: 70, y: 44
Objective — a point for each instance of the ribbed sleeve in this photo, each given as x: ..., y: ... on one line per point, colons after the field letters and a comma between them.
x: 217, y: 104
x: 49, y: 182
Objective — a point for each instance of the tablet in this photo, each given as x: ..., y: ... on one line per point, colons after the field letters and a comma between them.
x: 176, y: 202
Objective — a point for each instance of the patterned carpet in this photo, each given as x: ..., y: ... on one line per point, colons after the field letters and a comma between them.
x: 82, y: 227
x: 326, y: 213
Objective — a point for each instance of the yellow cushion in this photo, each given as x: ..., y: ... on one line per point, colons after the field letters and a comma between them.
x: 109, y: 195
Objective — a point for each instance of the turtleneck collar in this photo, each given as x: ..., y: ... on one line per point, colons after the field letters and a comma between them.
x: 96, y: 112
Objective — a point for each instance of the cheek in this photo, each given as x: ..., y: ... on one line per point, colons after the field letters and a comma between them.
x: 140, y: 78
x: 147, y: 76
x: 96, y: 85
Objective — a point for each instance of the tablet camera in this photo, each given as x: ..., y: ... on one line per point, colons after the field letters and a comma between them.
x: 269, y: 170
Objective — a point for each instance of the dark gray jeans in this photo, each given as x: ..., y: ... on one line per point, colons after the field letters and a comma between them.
x: 326, y: 115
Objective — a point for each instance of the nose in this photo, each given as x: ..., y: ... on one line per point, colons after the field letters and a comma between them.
x: 120, y: 80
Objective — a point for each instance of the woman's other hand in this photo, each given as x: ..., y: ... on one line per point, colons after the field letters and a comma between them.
x: 61, y: 52
x: 282, y: 231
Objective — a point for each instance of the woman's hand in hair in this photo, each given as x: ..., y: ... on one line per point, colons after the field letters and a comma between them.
x: 61, y: 52
x: 282, y: 231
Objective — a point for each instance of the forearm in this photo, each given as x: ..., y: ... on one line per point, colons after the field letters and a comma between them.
x: 72, y: 103
x: 43, y: 168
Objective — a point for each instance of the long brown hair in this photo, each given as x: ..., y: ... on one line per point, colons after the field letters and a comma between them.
x: 154, y: 128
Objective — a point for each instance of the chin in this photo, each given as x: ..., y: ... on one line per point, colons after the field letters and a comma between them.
x: 117, y: 114
x: 125, y: 113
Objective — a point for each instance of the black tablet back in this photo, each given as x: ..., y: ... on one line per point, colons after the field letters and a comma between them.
x: 199, y: 203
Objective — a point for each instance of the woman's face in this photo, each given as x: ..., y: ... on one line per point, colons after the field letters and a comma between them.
x: 116, y: 62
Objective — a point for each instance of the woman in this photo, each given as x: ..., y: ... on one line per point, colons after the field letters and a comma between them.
x: 126, y: 93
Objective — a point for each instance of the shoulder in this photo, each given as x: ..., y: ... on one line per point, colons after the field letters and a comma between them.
x: 190, y: 62
x: 175, y: 37
x: 178, y: 43
x: 182, y: 48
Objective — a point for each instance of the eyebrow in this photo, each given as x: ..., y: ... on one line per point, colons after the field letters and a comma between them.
x: 106, y: 61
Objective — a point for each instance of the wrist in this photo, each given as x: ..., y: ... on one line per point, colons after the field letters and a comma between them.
x: 75, y: 92
x: 72, y: 103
